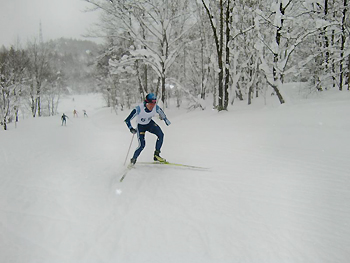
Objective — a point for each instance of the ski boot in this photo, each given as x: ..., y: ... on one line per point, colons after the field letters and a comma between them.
x: 157, y: 157
x: 132, y: 162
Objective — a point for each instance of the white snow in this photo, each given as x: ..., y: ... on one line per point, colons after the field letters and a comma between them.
x: 278, y: 187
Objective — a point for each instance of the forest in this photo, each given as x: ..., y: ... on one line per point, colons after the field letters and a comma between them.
x: 184, y: 50
x: 34, y: 78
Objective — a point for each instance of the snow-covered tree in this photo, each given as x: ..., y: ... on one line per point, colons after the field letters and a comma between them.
x: 154, y: 29
x: 40, y: 71
x: 13, y: 76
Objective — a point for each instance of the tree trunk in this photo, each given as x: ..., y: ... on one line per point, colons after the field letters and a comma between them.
x: 342, y: 44
x: 326, y: 40
x: 145, y: 74
x: 139, y: 78
x: 219, y: 48
x: 202, y: 67
x: 276, y: 75
x: 38, y: 98
x: 227, y: 70
x: 4, y: 110
x: 163, y: 88
x: 220, y: 60
x: 348, y: 75
x: 277, y: 91
x: 4, y: 124
x: 333, y: 43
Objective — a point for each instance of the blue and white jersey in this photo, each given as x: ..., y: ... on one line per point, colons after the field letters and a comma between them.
x: 144, y: 116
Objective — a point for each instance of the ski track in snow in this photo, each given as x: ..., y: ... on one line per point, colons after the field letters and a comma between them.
x: 277, y: 189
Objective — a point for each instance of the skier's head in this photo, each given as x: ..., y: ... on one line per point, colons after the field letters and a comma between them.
x: 151, y: 98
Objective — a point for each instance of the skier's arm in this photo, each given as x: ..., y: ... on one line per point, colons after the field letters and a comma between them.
x: 129, y: 118
x: 162, y: 115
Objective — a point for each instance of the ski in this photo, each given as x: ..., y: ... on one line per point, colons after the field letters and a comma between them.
x: 175, y: 164
x: 128, y: 168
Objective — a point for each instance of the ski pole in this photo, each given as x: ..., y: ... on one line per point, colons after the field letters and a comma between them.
x: 132, y: 138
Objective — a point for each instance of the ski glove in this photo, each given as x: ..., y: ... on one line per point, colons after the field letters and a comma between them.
x: 133, y: 131
x: 167, y: 122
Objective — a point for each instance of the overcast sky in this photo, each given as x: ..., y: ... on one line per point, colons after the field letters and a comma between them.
x: 59, y: 18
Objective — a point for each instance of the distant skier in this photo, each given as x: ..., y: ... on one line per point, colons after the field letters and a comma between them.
x: 144, y: 112
x: 85, y: 114
x: 64, y: 119
x: 75, y: 113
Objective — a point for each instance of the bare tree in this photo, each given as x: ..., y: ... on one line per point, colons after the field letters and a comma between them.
x: 342, y: 43
x: 39, y: 61
x: 218, y: 34
x: 150, y: 28
x: 13, y: 72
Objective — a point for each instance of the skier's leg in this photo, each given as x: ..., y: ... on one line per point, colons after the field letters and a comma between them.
x: 142, y: 142
x: 156, y: 130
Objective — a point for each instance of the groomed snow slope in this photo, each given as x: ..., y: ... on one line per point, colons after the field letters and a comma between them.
x: 277, y: 189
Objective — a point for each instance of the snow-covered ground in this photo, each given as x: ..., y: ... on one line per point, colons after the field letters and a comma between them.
x: 278, y: 187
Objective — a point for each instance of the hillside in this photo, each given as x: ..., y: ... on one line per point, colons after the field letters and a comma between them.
x: 277, y: 187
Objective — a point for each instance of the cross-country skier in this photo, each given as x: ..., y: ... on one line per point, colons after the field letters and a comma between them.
x: 144, y: 113
x: 64, y: 119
